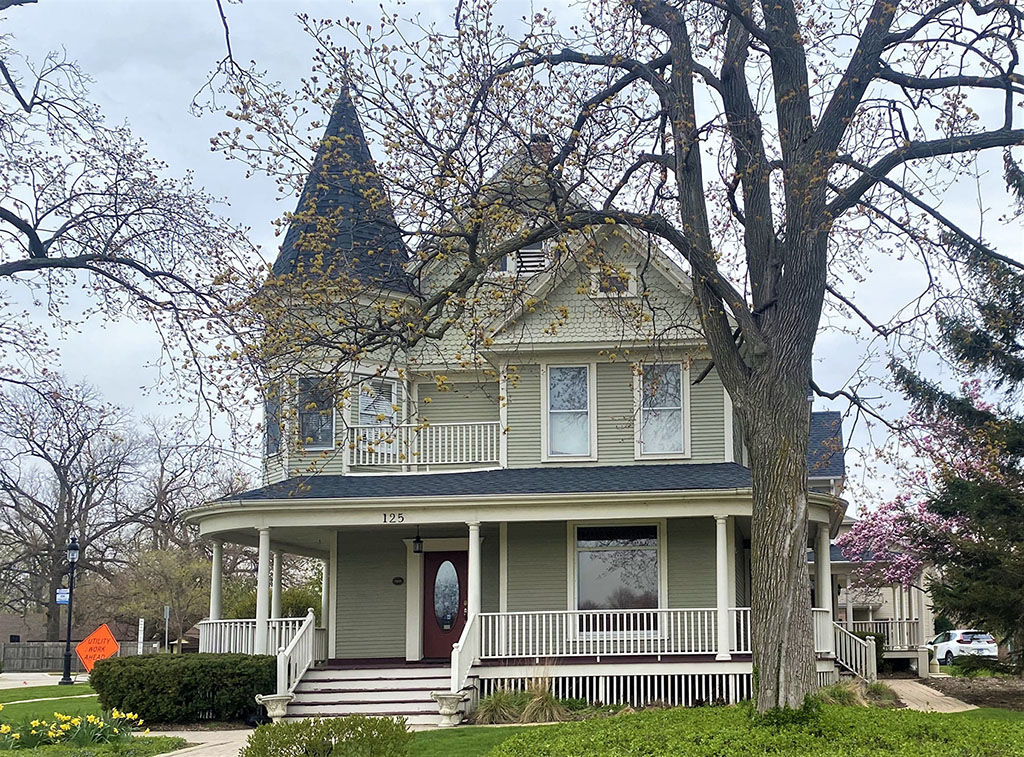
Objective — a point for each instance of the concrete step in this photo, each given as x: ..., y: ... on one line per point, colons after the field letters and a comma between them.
x: 360, y: 674
x: 429, y: 719
x: 319, y: 707
x: 364, y: 695
x: 377, y: 684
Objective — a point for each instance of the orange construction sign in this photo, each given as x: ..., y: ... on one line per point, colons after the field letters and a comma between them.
x: 99, y: 645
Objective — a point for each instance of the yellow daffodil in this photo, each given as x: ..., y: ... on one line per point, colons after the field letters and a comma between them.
x: 4, y: 728
x: 15, y: 735
x: 146, y: 731
x: 115, y: 730
x: 34, y: 723
x: 76, y: 721
x: 65, y: 727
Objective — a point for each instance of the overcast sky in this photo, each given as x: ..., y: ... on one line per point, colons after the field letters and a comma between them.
x: 148, y: 58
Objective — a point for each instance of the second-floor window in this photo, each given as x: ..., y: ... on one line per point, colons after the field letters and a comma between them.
x: 316, y: 415
x: 662, y: 410
x: 568, y: 411
x: 272, y: 423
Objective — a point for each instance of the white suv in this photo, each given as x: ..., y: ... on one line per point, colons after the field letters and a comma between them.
x: 952, y: 644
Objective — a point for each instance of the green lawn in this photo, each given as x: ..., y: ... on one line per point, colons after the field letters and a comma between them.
x: 137, y: 747
x: 730, y: 732
x: 465, y: 741
x: 18, y: 713
x: 43, y: 692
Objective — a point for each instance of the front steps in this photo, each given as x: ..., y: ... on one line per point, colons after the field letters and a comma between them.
x: 337, y: 690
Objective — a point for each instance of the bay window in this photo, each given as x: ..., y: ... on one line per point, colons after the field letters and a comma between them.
x: 568, y: 411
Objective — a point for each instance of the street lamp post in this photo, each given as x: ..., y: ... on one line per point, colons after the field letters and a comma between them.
x: 72, y: 559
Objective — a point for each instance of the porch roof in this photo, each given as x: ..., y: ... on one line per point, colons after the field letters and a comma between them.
x: 553, y: 480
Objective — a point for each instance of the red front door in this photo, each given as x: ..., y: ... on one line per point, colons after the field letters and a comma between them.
x: 444, y: 601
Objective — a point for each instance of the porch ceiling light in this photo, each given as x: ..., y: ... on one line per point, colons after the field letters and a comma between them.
x: 417, y: 543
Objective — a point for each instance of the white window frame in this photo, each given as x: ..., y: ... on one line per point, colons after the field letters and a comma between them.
x: 396, y: 420
x: 298, y: 420
x: 591, y: 413
x: 595, y: 283
x: 638, y: 411
x: 571, y: 561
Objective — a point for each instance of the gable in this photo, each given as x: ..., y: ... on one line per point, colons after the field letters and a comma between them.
x: 566, y: 308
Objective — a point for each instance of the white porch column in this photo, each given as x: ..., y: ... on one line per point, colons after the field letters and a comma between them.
x: 325, y: 592
x: 216, y: 576
x: 823, y: 570
x: 262, y: 593
x: 275, y: 587
x: 474, y: 579
x: 722, y: 585
x: 849, y: 601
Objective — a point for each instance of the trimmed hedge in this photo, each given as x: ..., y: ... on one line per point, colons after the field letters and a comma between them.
x: 171, y: 688
x: 731, y: 732
x: 351, y: 736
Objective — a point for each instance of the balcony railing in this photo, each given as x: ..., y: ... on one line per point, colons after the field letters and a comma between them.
x: 424, y: 444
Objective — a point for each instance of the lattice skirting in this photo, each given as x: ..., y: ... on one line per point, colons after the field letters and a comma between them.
x: 637, y: 690
x: 827, y: 677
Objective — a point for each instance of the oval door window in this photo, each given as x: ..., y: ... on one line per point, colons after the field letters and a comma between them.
x: 446, y: 595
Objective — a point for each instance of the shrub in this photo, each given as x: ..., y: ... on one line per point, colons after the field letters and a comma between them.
x: 184, y: 688
x: 503, y: 706
x: 351, y: 736
x: 880, y: 695
x: 846, y: 693
x: 879, y: 645
x: 543, y: 706
x: 730, y: 732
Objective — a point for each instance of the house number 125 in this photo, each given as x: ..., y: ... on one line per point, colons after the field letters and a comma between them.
x: 394, y: 517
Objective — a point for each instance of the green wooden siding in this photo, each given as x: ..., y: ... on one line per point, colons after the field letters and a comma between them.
x: 691, y: 562
x: 537, y: 572
x: 524, y: 416
x: 461, y: 402
x: 707, y: 416
x: 370, y: 608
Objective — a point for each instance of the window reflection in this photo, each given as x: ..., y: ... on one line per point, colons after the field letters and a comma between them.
x: 446, y: 595
x: 617, y: 567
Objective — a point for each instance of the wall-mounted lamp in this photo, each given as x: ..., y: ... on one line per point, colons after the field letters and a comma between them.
x: 417, y: 543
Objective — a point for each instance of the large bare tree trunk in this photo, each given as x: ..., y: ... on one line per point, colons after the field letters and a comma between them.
x: 782, y: 626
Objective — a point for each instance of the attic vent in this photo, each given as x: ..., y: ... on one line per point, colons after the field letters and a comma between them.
x: 531, y: 259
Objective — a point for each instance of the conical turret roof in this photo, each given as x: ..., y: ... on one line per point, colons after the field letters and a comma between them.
x: 344, y: 223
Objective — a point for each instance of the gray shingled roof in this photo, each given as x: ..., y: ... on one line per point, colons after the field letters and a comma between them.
x: 825, y: 451
x: 354, y: 226
x: 511, y: 481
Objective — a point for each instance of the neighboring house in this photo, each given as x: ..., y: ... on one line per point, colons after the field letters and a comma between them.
x: 574, y: 506
x: 902, y: 615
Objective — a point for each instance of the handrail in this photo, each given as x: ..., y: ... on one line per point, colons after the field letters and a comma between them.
x: 294, y: 660
x: 855, y: 654
x: 464, y: 653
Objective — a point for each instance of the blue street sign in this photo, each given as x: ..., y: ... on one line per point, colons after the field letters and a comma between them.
x: 62, y: 596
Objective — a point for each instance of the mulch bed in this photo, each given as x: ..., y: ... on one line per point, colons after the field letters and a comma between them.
x: 1006, y: 693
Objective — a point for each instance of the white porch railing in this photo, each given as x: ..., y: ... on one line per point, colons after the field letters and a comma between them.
x: 237, y: 636
x: 740, y: 630
x: 823, y: 636
x: 294, y: 659
x: 465, y: 653
x: 425, y: 444
x: 599, y: 633
x: 855, y: 654
x: 899, y: 634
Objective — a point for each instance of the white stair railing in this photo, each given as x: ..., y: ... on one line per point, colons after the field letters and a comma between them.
x: 465, y: 653
x: 855, y: 654
x: 294, y: 660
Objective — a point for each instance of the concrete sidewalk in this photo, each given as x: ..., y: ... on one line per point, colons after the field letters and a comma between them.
x: 18, y: 680
x: 209, y: 743
x: 917, y: 696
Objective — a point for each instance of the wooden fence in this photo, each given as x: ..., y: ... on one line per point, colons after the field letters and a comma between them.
x: 48, y: 656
